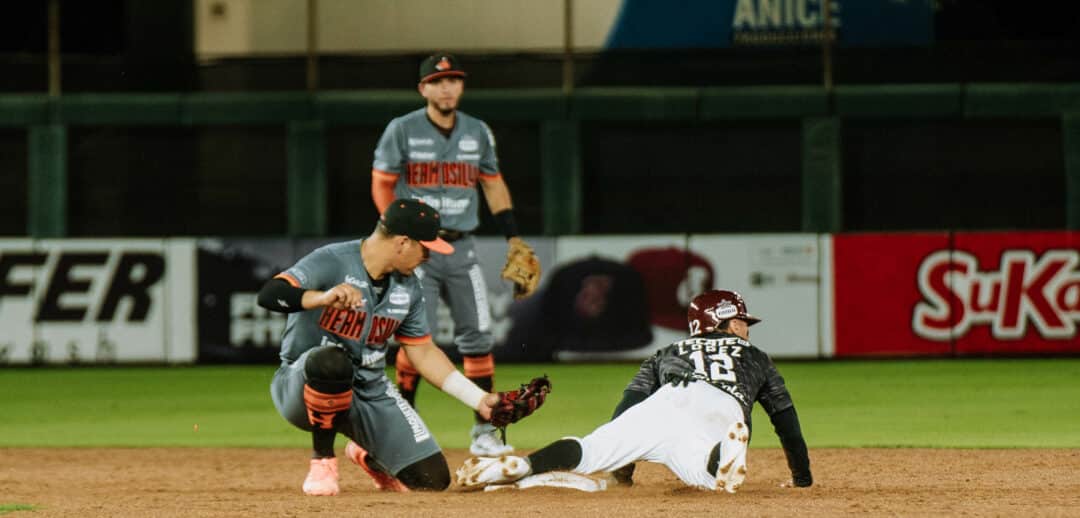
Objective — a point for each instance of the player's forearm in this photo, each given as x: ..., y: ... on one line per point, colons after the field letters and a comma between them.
x: 786, y: 424
x: 430, y: 361
x: 629, y: 399
x: 279, y: 296
x: 382, y: 189
x: 496, y: 193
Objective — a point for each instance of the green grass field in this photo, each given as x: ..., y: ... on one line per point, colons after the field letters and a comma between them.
x: 940, y: 403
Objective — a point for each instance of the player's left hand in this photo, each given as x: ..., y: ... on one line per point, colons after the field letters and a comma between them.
x: 487, y: 405
x: 515, y: 405
x: 676, y: 370
x: 522, y: 267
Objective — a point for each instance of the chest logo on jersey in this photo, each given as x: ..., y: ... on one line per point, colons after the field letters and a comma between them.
x: 399, y: 298
x: 421, y: 142
x: 447, y: 174
x: 349, y: 324
x: 468, y: 145
x: 381, y: 329
x: 345, y: 323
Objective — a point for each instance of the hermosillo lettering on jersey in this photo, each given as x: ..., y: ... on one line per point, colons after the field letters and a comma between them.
x: 449, y: 174
x: 345, y: 323
x: 381, y: 329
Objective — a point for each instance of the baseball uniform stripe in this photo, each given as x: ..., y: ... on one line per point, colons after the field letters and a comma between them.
x: 289, y: 279
x: 479, y: 366
x: 413, y: 340
x: 483, y: 314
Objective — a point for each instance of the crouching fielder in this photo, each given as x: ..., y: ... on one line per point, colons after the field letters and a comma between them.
x: 688, y: 408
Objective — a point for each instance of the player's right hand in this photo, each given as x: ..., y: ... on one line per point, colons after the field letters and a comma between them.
x: 342, y: 296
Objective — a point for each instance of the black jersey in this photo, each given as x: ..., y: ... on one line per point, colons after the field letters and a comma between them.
x: 724, y: 361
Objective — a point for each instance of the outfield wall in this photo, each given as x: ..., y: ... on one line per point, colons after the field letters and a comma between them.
x: 602, y: 297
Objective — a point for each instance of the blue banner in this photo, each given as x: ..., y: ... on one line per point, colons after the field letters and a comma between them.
x: 704, y: 24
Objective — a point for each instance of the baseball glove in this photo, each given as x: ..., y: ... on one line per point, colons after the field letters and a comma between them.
x: 515, y: 405
x: 522, y: 268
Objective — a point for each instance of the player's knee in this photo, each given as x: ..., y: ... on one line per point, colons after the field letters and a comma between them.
x: 329, y: 369
x: 428, y: 474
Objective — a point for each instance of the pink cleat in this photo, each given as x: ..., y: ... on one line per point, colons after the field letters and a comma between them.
x: 383, y: 481
x: 322, y: 478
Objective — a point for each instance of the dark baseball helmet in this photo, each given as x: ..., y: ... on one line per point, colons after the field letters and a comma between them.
x: 711, y: 308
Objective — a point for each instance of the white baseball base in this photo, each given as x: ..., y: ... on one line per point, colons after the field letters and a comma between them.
x: 555, y: 479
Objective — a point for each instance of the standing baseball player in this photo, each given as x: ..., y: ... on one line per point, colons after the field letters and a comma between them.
x: 344, y: 301
x: 688, y: 407
x: 439, y: 155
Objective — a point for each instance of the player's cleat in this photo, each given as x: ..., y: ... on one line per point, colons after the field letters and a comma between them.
x: 486, y: 442
x: 731, y: 471
x: 561, y: 479
x: 482, y: 471
x: 322, y: 478
x: 383, y: 481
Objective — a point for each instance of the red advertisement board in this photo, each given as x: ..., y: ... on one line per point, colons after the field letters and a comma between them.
x: 965, y: 293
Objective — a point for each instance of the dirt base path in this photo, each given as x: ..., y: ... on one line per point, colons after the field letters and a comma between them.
x: 266, y: 482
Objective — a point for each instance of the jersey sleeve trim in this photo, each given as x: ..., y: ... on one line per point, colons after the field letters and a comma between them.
x: 385, y: 175
x: 289, y: 279
x: 487, y: 177
x: 413, y: 340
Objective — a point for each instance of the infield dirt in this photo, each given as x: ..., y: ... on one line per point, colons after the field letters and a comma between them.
x: 266, y: 482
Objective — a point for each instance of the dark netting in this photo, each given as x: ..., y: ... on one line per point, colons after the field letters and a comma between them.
x: 14, y: 176
x: 221, y: 181
x: 662, y: 178
x: 958, y: 175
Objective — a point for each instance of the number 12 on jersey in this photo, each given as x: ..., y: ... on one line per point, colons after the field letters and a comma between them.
x: 716, y: 367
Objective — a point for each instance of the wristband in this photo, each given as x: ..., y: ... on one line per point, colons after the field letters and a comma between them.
x: 506, y: 222
x: 463, y: 389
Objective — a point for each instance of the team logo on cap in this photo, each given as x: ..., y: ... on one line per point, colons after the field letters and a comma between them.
x: 443, y: 64
x: 723, y: 311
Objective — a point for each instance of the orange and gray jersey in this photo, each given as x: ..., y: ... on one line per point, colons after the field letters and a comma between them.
x: 441, y: 171
x: 363, y: 331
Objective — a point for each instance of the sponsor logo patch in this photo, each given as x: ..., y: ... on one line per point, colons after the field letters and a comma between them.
x: 723, y: 311
x: 421, y: 142
x: 421, y: 155
x: 349, y: 279
x: 399, y: 297
x: 468, y: 145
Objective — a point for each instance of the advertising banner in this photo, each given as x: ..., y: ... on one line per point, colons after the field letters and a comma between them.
x: 96, y: 301
x: 647, y: 24
x: 624, y: 297
x: 978, y: 293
